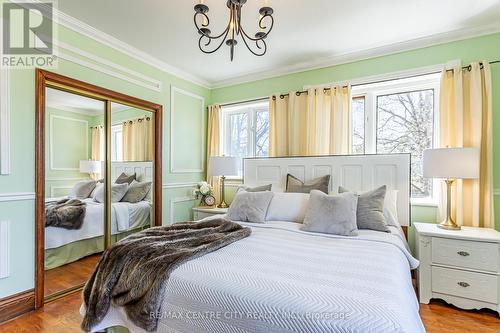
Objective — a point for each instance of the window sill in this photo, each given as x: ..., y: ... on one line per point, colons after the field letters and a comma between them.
x: 424, y: 203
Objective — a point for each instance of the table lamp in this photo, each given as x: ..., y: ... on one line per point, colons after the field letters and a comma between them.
x: 91, y: 167
x: 450, y: 164
x: 223, y: 166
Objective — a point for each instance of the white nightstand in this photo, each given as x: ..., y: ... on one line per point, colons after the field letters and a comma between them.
x: 202, y: 212
x: 460, y: 267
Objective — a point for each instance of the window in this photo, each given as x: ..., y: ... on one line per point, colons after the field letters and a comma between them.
x: 246, y: 131
x: 398, y: 116
x: 117, y: 143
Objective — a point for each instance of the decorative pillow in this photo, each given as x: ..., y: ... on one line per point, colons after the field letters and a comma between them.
x: 370, y: 212
x: 137, y: 191
x: 117, y: 192
x: 250, y: 206
x: 331, y: 214
x: 82, y: 189
x: 262, y: 188
x: 289, y: 207
x: 124, y: 178
x: 391, y: 208
x: 295, y: 185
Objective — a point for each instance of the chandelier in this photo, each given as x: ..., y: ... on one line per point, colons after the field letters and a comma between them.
x: 209, y: 43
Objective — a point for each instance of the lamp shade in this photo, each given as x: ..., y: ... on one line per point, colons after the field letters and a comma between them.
x: 223, y: 166
x: 451, y: 163
x: 87, y: 166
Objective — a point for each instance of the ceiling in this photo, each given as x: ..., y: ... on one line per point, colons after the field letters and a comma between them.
x: 66, y: 101
x: 307, y: 34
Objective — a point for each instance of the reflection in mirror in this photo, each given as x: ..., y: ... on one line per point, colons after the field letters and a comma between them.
x: 132, y: 155
x: 74, y: 208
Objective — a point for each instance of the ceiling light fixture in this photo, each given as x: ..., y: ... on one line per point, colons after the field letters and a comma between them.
x: 233, y: 29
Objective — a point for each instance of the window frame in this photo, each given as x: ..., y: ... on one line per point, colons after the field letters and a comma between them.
x: 371, y: 92
x: 115, y: 129
x: 250, y: 109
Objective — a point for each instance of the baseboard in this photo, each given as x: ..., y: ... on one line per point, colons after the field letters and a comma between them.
x: 16, y: 305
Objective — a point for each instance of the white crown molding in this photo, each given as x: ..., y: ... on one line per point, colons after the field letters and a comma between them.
x: 99, y: 36
x: 362, y: 54
x: 17, y: 196
x: 174, y: 90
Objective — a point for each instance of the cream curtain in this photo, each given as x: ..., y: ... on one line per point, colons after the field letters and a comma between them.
x: 316, y: 123
x: 213, y: 144
x: 97, y: 146
x: 138, y: 140
x: 466, y: 121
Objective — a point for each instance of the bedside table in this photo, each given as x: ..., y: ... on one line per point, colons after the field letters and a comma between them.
x: 460, y: 267
x: 202, y: 212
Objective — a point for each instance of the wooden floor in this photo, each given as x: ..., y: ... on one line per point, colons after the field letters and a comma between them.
x: 70, y: 275
x: 63, y: 316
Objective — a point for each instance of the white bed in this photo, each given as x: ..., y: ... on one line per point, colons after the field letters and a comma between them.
x: 281, y: 279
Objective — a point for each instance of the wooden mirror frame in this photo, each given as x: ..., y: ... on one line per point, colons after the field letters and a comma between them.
x: 48, y: 79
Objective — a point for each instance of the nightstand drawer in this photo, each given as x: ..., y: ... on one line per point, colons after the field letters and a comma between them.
x: 478, y: 286
x: 467, y: 254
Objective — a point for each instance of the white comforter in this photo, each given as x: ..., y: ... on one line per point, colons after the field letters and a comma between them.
x: 124, y: 216
x: 281, y: 279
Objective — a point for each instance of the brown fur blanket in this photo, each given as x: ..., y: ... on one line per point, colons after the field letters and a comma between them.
x: 65, y: 213
x: 134, y: 272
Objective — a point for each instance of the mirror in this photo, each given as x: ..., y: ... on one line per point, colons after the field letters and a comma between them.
x: 74, y: 194
x: 132, y: 170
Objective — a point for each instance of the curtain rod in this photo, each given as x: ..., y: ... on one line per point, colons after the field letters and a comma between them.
x: 469, y: 68
x: 244, y: 102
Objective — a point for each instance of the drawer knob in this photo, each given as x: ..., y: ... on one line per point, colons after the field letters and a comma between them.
x: 463, y: 253
x: 463, y: 284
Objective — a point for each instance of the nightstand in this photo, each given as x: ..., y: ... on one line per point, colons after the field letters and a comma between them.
x: 460, y: 267
x: 202, y: 212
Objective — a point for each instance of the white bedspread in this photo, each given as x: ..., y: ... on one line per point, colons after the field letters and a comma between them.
x: 125, y: 216
x: 281, y: 279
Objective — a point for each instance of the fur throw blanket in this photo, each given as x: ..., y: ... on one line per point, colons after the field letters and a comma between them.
x: 65, y: 213
x: 134, y: 272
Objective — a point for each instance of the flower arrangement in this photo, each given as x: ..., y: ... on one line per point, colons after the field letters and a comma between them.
x: 203, y: 189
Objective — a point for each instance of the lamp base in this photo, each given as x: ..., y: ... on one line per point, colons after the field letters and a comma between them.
x: 449, y: 224
x: 223, y: 204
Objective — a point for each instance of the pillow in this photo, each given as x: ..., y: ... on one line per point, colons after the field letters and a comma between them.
x: 250, y: 206
x: 124, y: 178
x: 289, y: 207
x: 390, y: 206
x: 295, y: 185
x: 331, y: 214
x: 255, y: 189
x: 82, y: 189
x: 137, y: 191
x: 370, y: 212
x: 117, y: 192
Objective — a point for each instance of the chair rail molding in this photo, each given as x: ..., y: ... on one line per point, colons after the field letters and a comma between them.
x: 179, y: 185
x: 17, y: 196
x: 5, y: 165
x: 173, y: 169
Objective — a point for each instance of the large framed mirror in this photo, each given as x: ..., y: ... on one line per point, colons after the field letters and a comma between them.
x: 98, y: 179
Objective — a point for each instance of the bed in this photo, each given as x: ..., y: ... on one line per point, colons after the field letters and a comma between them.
x: 282, y: 279
x: 63, y: 246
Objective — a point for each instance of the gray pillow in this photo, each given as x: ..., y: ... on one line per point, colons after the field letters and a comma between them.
x: 370, y: 212
x: 262, y: 188
x: 250, y: 206
x: 331, y: 214
x: 82, y: 189
x: 295, y: 185
x: 117, y: 192
x: 124, y: 178
x: 137, y: 191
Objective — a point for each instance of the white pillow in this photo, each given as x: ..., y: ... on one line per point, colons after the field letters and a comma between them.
x: 290, y: 207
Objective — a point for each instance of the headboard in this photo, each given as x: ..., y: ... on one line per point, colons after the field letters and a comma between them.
x: 355, y: 172
x: 143, y: 170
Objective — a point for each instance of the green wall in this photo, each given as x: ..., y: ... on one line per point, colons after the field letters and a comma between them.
x: 485, y: 48
x: 177, y: 186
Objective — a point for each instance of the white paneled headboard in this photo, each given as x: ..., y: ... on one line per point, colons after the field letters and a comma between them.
x: 355, y: 172
x: 143, y: 170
